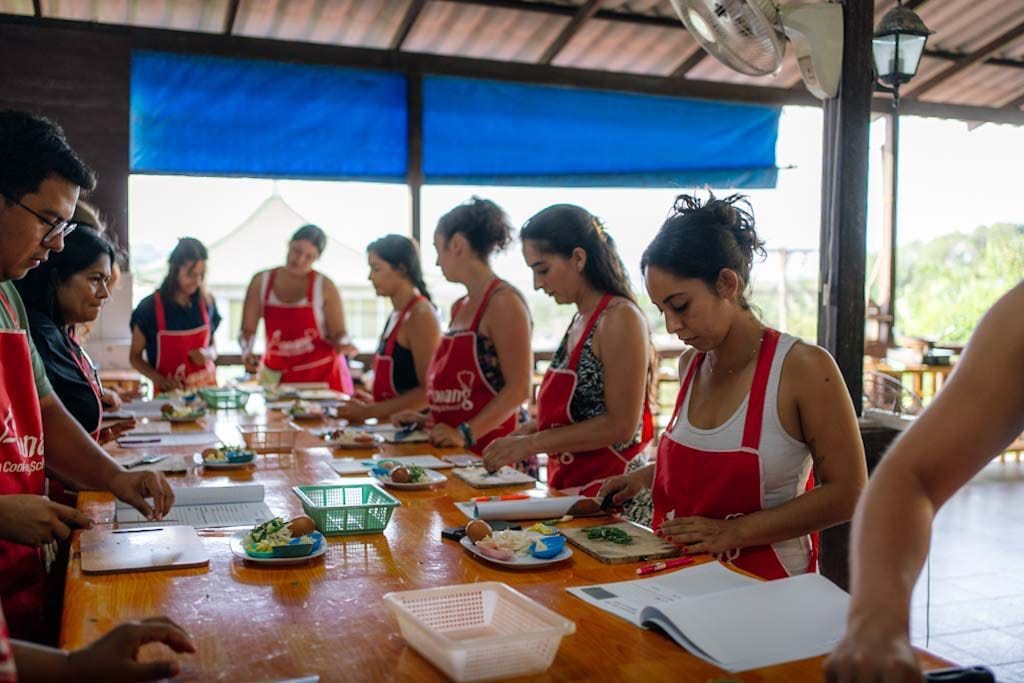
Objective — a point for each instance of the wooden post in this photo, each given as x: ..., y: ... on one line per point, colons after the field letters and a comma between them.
x: 887, y: 257
x: 844, y: 202
x: 414, y: 148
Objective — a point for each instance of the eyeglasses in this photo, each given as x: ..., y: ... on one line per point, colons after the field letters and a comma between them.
x: 61, y: 226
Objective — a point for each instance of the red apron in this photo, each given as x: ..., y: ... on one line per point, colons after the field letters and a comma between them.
x: 456, y: 387
x: 22, y: 575
x: 173, y: 347
x: 722, y: 484
x: 295, y: 347
x: 384, y: 363
x: 581, y: 473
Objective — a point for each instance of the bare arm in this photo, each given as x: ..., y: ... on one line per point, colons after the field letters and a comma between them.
x: 622, y: 346
x: 515, y: 357
x: 139, y: 363
x: 424, y: 336
x: 977, y: 414
x: 250, y: 315
x: 334, y: 318
x: 829, y: 426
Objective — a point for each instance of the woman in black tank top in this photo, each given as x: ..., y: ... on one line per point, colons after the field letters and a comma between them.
x: 409, y: 338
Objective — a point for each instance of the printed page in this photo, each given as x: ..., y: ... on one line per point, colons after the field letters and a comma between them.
x: 208, y: 507
x: 627, y: 599
x: 175, y: 439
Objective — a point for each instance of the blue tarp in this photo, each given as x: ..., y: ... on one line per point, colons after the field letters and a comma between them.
x: 499, y: 133
x: 215, y: 116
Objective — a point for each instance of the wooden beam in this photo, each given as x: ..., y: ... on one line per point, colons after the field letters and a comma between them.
x: 408, y: 21
x: 967, y: 61
x: 1014, y: 105
x: 844, y: 203
x: 890, y: 228
x: 568, y: 11
x: 991, y: 61
x: 585, y: 12
x: 914, y: 4
x: 37, y: 7
x: 695, y: 58
x: 230, y: 17
x: 959, y: 112
x: 414, y: 148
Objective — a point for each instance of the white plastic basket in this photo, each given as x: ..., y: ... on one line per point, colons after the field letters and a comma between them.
x: 479, y: 631
x: 266, y: 439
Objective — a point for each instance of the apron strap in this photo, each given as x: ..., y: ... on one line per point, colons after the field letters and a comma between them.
x: 483, y: 304
x: 310, y: 281
x: 758, y: 390
x: 84, y: 364
x: 576, y: 352
x: 270, y: 286
x: 684, y: 387
x: 389, y: 348
x: 161, y: 314
x: 10, y: 308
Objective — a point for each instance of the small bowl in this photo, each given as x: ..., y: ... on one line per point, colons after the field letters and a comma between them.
x: 295, y: 548
x: 553, y: 546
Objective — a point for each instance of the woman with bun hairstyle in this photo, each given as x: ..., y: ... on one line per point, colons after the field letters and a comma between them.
x: 174, y: 326
x: 760, y: 414
x: 593, y: 408
x: 409, y: 338
x: 303, y: 316
x: 480, y: 374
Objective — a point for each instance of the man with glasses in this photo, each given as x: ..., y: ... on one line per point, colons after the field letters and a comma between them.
x: 40, y: 179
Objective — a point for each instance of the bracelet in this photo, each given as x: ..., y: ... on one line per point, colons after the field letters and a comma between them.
x: 467, y: 434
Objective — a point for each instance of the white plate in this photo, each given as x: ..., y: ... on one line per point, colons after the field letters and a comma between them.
x: 238, y: 550
x: 432, y: 478
x: 525, y: 562
x: 185, y: 418
x: 338, y: 443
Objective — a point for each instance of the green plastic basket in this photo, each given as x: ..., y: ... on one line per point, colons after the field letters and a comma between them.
x: 340, y: 509
x: 228, y: 397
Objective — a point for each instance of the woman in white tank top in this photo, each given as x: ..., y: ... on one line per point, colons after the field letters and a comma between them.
x: 760, y: 415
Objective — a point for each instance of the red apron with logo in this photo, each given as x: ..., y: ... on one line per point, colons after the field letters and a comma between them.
x: 22, y: 470
x: 456, y: 387
x: 295, y: 347
x: 581, y: 473
x: 722, y: 484
x: 173, y: 347
x: 384, y: 363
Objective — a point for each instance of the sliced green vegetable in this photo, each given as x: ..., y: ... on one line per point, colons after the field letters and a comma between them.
x: 609, y: 533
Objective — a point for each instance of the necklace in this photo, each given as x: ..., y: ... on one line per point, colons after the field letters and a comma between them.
x: 747, y: 361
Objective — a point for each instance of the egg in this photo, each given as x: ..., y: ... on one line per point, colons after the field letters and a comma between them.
x: 166, y: 408
x: 209, y: 453
x: 301, y: 525
x: 400, y: 475
x: 477, y: 530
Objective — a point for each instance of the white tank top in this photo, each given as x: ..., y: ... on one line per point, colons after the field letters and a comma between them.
x: 318, y: 299
x: 785, y: 462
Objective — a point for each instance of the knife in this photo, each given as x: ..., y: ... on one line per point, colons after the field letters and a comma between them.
x: 405, y: 432
x: 148, y: 460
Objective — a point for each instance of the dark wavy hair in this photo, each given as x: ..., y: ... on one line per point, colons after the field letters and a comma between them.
x: 188, y: 249
x: 38, y: 289
x: 484, y: 224
x: 402, y: 254
x: 33, y: 147
x: 699, y: 239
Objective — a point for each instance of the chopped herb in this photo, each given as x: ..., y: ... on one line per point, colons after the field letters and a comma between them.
x: 609, y: 533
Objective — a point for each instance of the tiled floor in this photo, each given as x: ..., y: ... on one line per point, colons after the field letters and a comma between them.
x: 977, y: 576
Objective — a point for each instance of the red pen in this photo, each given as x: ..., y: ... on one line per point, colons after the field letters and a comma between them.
x: 667, y: 564
x: 511, y: 496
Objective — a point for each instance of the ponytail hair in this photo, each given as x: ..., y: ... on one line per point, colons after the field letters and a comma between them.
x: 699, y: 239
x: 402, y: 254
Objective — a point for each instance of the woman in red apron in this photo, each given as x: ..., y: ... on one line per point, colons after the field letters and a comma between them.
x: 756, y: 409
x: 593, y: 408
x: 479, y: 376
x: 68, y: 290
x: 174, y: 326
x: 303, y: 318
x: 409, y: 339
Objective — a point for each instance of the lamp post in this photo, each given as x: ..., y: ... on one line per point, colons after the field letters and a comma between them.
x: 897, y: 46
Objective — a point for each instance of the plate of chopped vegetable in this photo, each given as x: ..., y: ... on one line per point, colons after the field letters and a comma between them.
x: 519, y: 549
x: 225, y: 457
x: 406, y: 476
x: 273, y: 542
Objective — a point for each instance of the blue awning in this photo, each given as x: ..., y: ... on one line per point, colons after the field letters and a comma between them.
x: 499, y: 133
x: 201, y: 115
x: 214, y: 116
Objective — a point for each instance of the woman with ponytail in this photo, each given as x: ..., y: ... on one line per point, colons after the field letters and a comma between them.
x: 760, y: 415
x: 409, y: 338
x: 593, y: 408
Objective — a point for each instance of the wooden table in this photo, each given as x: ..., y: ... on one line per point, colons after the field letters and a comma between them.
x: 327, y: 617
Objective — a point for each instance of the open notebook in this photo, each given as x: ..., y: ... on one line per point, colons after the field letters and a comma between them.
x: 206, y: 507
x: 730, y: 620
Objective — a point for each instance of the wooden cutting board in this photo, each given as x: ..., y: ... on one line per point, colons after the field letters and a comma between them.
x: 172, y: 547
x: 478, y: 478
x: 645, y: 545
